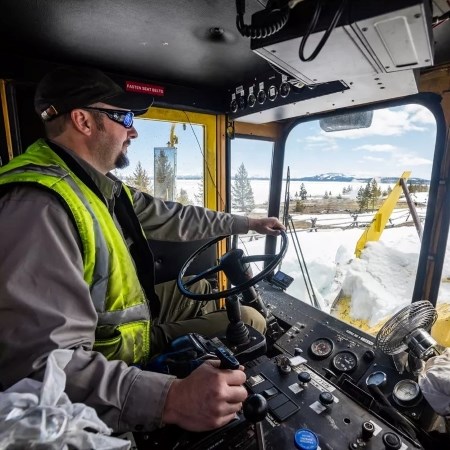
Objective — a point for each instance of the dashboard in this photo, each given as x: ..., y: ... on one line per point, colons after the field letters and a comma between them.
x: 326, y: 386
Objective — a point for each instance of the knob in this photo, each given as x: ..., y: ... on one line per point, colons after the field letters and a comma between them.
x: 326, y: 398
x: 329, y: 374
x: 305, y: 439
x: 255, y: 408
x: 304, y: 377
x: 367, y: 430
x: 391, y: 441
x: 284, y: 366
x: 369, y: 355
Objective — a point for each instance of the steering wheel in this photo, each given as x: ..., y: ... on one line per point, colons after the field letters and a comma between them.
x: 233, y: 262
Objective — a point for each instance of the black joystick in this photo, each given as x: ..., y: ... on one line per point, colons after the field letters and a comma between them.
x: 255, y: 409
x: 237, y: 332
x: 391, y: 441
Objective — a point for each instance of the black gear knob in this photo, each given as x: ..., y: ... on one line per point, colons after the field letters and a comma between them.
x: 255, y: 408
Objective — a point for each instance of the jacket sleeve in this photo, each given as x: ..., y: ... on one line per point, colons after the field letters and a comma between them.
x: 171, y: 221
x: 45, y: 304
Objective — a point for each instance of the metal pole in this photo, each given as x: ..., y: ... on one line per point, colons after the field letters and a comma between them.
x: 412, y: 208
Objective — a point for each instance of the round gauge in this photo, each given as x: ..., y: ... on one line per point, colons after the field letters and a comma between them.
x: 344, y: 361
x: 377, y: 378
x: 251, y: 100
x: 321, y: 348
x: 261, y: 96
x: 407, y: 393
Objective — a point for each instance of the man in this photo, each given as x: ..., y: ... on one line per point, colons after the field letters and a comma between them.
x: 76, y: 271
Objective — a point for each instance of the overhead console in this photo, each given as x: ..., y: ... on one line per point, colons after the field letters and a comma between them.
x: 372, y: 48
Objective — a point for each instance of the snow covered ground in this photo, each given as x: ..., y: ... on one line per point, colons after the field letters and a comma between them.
x: 379, y: 283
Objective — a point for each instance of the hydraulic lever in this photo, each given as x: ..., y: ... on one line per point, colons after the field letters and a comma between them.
x: 255, y: 410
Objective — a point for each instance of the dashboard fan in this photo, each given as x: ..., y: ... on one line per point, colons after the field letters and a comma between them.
x: 408, y: 329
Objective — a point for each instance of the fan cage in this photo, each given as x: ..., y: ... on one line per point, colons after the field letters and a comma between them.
x: 391, y: 337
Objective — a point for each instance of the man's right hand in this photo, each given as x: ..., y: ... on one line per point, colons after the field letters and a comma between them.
x: 207, y: 399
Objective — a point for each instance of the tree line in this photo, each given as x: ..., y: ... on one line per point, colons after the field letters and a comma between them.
x: 242, y: 197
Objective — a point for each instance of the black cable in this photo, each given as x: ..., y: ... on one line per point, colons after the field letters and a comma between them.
x: 282, y: 16
x: 312, y: 26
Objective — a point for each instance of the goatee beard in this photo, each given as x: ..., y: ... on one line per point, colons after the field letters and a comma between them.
x: 122, y: 161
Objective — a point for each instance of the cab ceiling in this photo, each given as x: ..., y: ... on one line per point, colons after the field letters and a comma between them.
x: 189, y: 43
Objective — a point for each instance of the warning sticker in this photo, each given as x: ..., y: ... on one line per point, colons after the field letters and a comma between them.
x: 144, y: 88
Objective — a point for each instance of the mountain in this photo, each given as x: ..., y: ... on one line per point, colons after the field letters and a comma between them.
x: 328, y: 177
x: 349, y: 178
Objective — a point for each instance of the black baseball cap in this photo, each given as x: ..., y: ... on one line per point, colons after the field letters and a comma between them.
x: 67, y: 88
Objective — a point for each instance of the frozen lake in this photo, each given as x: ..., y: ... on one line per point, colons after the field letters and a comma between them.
x: 314, y: 188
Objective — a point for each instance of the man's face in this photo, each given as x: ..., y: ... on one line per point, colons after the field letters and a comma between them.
x: 111, y: 141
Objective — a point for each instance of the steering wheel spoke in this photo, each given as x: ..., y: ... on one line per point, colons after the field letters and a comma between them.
x: 205, y: 274
x: 257, y: 258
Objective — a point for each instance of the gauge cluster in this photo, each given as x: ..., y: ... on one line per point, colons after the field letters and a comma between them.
x: 345, y: 356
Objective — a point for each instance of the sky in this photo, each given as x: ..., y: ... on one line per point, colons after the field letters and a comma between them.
x: 400, y: 138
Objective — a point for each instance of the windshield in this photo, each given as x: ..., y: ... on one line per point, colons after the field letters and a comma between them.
x: 339, y: 180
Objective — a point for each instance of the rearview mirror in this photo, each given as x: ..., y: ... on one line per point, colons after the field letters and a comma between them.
x: 349, y: 121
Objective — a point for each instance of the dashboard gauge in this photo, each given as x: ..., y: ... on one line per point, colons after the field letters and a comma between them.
x: 321, y: 348
x: 377, y: 378
x: 407, y: 393
x: 344, y: 361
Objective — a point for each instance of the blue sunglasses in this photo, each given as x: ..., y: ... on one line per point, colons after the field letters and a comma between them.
x: 125, y: 118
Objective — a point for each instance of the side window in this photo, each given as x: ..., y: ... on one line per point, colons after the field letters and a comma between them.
x: 356, y: 229
x: 166, y: 160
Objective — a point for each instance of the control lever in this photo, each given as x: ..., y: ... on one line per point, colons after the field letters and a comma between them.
x: 237, y: 332
x: 227, y: 359
x: 255, y: 409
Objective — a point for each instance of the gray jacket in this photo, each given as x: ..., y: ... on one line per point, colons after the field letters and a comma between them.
x: 45, y: 303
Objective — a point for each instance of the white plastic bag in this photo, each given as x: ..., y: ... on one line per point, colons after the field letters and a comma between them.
x: 35, y: 415
x: 434, y: 381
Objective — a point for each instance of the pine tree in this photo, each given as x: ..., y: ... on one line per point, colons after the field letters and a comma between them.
x: 375, y: 192
x: 199, y: 197
x: 164, y: 177
x: 140, y: 179
x: 362, y: 199
x: 303, y: 192
x: 183, y: 197
x: 241, y: 191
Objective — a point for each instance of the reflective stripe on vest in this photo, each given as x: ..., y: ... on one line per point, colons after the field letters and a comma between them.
x: 123, y: 330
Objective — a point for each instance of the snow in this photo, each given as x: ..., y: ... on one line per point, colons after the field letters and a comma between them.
x: 379, y: 283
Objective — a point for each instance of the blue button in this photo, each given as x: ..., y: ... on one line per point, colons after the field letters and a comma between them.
x: 305, y: 439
